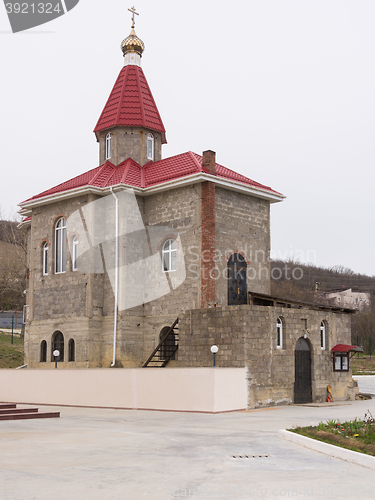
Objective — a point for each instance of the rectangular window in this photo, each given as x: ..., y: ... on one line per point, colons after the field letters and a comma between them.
x: 279, y: 334
x: 150, y: 147
x: 45, y: 260
x: 341, y: 363
x: 75, y: 254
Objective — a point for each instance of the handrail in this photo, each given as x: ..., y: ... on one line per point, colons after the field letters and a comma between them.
x: 19, y: 367
x: 162, y: 340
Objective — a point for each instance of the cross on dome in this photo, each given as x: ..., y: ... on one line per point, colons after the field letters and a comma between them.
x: 132, y: 47
x: 133, y: 11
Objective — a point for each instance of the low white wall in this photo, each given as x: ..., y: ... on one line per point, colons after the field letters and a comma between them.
x: 180, y: 389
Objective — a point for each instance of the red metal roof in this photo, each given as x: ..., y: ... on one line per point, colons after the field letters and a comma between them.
x: 131, y: 104
x: 346, y: 348
x: 132, y: 174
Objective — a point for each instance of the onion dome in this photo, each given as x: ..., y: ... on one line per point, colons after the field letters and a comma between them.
x: 132, y: 44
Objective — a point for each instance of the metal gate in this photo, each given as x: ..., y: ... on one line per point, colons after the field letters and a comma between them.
x: 302, y: 383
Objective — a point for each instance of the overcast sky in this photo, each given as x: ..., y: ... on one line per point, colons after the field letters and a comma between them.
x: 282, y: 90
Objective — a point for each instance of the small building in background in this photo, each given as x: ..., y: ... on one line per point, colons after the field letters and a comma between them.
x: 352, y: 298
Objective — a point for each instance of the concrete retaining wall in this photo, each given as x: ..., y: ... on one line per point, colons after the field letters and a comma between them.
x: 176, y: 389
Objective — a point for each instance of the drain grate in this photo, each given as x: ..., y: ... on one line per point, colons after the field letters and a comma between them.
x: 250, y: 456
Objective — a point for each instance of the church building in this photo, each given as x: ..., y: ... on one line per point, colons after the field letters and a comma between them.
x: 147, y: 261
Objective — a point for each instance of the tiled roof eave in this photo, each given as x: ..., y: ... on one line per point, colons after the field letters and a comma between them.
x: 51, y: 198
x: 271, y: 196
x: 24, y: 223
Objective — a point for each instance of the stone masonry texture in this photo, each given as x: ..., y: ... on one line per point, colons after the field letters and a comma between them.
x: 208, y: 224
x: 246, y: 337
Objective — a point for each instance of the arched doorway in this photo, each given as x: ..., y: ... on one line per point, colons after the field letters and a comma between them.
x: 237, y: 286
x: 302, y: 383
x: 58, y: 344
x: 169, y: 344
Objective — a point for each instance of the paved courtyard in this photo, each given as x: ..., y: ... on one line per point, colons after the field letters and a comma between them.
x: 120, y: 454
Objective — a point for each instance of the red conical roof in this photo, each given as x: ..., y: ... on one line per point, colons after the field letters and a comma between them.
x: 131, y: 104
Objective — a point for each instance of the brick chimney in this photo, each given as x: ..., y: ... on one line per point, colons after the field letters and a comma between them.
x: 208, y: 275
x: 209, y: 161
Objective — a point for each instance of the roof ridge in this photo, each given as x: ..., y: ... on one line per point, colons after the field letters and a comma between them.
x: 127, y: 164
x: 152, y: 98
x: 126, y: 70
x: 192, y: 154
x: 143, y: 177
x: 100, y: 171
x: 141, y: 97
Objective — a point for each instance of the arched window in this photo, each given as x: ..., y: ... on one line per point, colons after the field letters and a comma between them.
x: 168, y: 349
x: 60, y: 246
x: 45, y: 259
x: 43, y: 351
x: 322, y: 335
x: 237, y: 286
x: 57, y: 344
x: 279, y: 333
x: 75, y: 253
x: 150, y: 147
x: 169, y: 255
x: 108, y: 146
x: 71, y: 350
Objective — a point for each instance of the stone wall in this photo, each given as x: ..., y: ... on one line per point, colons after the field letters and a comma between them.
x: 58, y: 301
x: 84, y: 299
x: 246, y: 336
x: 242, y: 226
x: 129, y: 143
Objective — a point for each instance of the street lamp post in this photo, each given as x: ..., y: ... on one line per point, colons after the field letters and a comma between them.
x: 56, y: 354
x: 214, y: 350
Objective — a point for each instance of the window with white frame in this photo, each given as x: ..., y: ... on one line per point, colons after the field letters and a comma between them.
x: 108, y: 146
x: 150, y: 147
x: 279, y: 333
x: 169, y: 256
x: 60, y: 246
x: 45, y: 259
x: 322, y: 335
x: 75, y: 253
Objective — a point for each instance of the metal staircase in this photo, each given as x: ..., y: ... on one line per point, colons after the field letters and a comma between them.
x: 165, y: 350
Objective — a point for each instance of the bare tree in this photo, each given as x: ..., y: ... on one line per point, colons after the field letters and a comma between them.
x: 363, y: 327
x: 12, y: 265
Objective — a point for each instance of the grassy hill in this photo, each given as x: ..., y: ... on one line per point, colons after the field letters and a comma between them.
x: 11, y: 355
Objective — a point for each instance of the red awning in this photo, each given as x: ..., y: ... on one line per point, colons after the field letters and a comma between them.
x: 346, y: 348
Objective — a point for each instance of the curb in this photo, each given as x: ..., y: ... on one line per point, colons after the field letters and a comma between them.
x: 329, y: 449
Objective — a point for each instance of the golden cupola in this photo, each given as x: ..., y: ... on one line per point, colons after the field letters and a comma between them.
x: 132, y: 46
